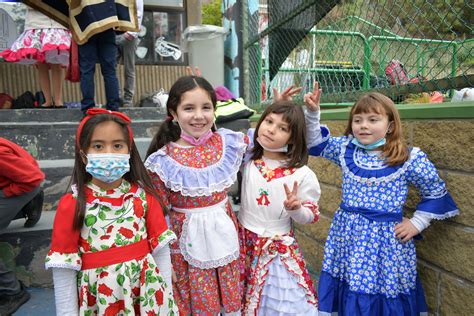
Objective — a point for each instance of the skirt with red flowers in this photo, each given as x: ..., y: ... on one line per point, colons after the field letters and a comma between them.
x: 33, y: 46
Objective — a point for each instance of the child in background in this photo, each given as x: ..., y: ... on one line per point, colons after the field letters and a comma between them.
x: 109, y: 249
x: 45, y: 43
x: 278, y: 188
x: 369, y: 265
x: 192, y: 166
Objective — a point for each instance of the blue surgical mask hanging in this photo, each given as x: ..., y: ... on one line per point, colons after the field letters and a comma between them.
x: 372, y: 146
x: 375, y: 144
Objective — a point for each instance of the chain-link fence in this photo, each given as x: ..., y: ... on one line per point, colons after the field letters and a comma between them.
x: 400, y: 48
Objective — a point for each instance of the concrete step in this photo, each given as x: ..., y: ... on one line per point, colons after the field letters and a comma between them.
x: 50, y: 134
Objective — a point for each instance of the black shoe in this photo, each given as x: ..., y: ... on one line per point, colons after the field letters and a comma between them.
x: 33, y: 210
x: 11, y: 303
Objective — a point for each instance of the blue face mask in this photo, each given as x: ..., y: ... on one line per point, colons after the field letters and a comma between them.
x: 108, y: 167
x: 372, y: 146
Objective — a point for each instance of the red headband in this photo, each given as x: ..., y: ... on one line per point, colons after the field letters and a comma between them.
x: 95, y: 111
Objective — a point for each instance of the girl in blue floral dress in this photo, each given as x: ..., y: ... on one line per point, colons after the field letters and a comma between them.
x: 109, y: 250
x: 369, y: 265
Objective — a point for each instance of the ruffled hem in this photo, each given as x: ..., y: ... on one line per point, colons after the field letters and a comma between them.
x: 440, y: 217
x: 336, y: 297
x: 386, y: 174
x: 289, y: 300
x: 201, y: 181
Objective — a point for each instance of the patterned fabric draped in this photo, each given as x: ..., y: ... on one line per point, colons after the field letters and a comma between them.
x: 86, y: 18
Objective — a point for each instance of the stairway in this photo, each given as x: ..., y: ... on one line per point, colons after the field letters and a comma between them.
x: 49, y: 135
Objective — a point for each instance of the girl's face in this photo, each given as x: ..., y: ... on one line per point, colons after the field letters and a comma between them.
x: 108, y: 138
x: 369, y: 127
x: 274, y: 132
x: 195, y: 112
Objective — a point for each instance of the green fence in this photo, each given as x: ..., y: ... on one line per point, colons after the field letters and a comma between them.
x: 347, y: 45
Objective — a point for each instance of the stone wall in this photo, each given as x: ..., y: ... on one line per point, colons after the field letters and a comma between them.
x: 445, y: 256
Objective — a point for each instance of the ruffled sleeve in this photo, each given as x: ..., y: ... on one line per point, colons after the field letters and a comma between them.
x: 64, y: 251
x: 436, y: 202
x: 158, y: 233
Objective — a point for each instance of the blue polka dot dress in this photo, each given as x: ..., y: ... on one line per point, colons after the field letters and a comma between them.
x: 366, y: 270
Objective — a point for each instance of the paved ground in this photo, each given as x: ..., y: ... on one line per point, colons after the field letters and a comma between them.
x: 40, y: 303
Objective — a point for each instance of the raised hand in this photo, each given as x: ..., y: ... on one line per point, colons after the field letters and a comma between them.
x: 287, y: 94
x: 405, y: 230
x: 292, y: 202
x: 312, y: 100
x: 196, y: 72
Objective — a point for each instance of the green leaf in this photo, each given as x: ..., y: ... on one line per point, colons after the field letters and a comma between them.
x: 118, y: 266
x: 130, y: 219
x: 120, y: 220
x: 94, y: 231
x: 102, y: 215
x: 102, y: 301
x: 151, y: 291
x: 120, y: 279
x: 90, y: 220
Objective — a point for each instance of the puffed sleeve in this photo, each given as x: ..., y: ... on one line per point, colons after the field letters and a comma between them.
x: 64, y: 251
x: 321, y: 143
x: 158, y: 233
x: 436, y: 202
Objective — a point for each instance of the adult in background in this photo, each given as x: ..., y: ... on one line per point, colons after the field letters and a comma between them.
x: 20, y: 197
x: 127, y: 45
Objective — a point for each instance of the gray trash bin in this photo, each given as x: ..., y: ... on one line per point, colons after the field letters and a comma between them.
x: 205, y: 47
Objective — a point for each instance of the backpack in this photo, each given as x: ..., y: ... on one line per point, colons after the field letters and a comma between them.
x: 395, y: 73
x: 232, y: 109
x: 25, y: 101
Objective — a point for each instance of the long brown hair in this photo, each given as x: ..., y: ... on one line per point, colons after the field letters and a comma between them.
x: 293, y: 115
x: 395, y: 150
x: 169, y: 131
x: 137, y: 174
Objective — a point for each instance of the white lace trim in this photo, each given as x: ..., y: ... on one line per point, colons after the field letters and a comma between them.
x: 345, y: 169
x: 434, y: 195
x: 202, y: 264
x: 439, y: 217
x: 377, y: 165
x: 75, y: 267
x: 169, y: 238
x: 219, y: 186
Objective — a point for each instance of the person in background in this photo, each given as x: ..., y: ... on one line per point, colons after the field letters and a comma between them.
x: 127, y: 44
x: 20, y: 197
x: 44, y: 43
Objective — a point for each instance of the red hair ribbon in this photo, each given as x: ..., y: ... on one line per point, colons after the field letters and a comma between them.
x: 96, y: 111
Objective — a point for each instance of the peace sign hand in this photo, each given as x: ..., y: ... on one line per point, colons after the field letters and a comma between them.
x: 287, y: 94
x: 292, y: 202
x: 312, y: 100
x: 196, y: 72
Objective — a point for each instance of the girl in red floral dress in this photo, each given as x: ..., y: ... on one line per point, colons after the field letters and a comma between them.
x: 109, y: 249
x: 193, y: 165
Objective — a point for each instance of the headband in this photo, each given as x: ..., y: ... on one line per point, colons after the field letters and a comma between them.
x: 96, y: 111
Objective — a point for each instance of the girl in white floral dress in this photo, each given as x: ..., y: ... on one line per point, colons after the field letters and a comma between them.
x: 109, y: 249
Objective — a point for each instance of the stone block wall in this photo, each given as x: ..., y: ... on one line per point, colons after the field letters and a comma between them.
x: 445, y: 256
